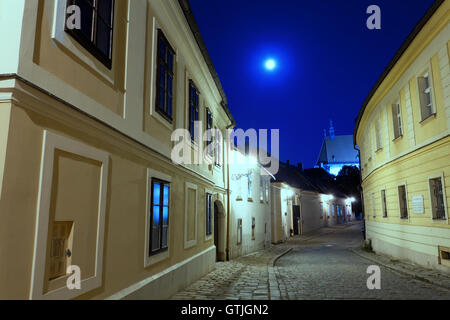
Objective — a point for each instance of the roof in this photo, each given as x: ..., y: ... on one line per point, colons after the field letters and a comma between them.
x: 186, y: 7
x: 339, y: 149
x: 294, y: 177
x: 323, y: 181
x: 419, y: 26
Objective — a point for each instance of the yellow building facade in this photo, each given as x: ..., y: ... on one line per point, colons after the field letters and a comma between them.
x: 403, y: 135
x: 86, y: 176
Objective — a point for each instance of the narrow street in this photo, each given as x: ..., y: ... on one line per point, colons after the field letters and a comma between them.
x: 319, y: 266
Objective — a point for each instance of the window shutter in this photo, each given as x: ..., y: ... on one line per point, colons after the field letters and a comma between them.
x: 423, y: 108
x: 395, y: 120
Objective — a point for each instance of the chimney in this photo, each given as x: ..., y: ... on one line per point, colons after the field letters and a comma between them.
x: 300, y: 166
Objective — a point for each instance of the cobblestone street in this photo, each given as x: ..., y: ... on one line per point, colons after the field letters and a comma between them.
x: 318, y: 266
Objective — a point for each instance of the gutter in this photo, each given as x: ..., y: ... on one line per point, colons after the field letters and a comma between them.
x: 418, y: 27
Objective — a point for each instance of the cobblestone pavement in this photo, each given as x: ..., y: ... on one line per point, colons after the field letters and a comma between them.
x: 321, y: 265
x: 326, y: 268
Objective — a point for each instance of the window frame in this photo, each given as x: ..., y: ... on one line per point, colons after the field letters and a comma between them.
x: 397, y: 121
x: 90, y: 44
x: 440, y: 176
x: 403, y: 184
x: 429, y: 75
x: 168, y: 116
x: 161, y: 206
x: 165, y: 254
x: 209, y: 205
x: 384, y: 203
x: 193, y: 108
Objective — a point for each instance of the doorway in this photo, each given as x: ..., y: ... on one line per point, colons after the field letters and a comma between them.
x: 296, y: 219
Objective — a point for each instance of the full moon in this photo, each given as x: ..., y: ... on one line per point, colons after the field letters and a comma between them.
x: 270, y: 64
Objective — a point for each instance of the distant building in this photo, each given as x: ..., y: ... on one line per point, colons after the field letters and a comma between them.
x: 249, y: 205
x: 336, y: 152
x: 301, y: 203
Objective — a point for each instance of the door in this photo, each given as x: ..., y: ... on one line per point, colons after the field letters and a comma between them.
x: 296, y: 219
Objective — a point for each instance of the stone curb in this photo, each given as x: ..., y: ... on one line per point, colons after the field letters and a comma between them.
x: 402, y: 271
x: 274, y: 260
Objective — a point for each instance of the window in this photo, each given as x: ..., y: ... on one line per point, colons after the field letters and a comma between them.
x: 193, y: 108
x: 378, y: 134
x: 209, y: 127
x: 332, y: 209
x: 249, y: 185
x: 217, y: 147
x: 397, y: 120
x: 437, y: 199
x: 321, y: 210
x: 60, y: 251
x: 159, y: 218
x: 209, y: 209
x: 164, y: 77
x: 239, y: 231
x: 96, y: 33
x: 403, y: 202
x: 374, y: 212
x: 383, y: 203
x: 426, y: 100
x: 444, y: 256
x: 253, y: 228
x: 262, y: 186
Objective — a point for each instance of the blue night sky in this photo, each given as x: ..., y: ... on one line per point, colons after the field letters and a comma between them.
x: 327, y: 62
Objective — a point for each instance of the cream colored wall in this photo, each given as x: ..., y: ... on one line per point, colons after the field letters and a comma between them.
x: 5, y: 113
x: 126, y: 204
x: 428, y: 50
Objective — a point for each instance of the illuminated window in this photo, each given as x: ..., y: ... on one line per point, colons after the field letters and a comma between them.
x: 96, y: 32
x: 164, y: 77
x: 159, y: 220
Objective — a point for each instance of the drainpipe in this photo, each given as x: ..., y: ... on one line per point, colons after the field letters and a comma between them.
x: 361, y: 191
x: 227, y: 250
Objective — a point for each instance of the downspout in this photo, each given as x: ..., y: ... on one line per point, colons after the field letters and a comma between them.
x: 361, y: 190
x: 227, y: 250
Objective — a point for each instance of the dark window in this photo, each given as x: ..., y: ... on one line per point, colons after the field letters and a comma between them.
x: 208, y: 214
x: 403, y: 202
x: 383, y: 203
x: 209, y: 128
x: 159, y: 220
x: 193, y: 108
x: 96, y: 33
x: 165, y: 76
x: 253, y: 228
x: 437, y: 199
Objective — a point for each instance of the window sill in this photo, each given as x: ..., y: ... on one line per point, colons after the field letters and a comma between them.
x: 261, y: 201
x: 400, y: 137
x: 427, y: 119
x: 164, y: 116
x: 239, y: 199
x: 379, y: 150
x: 156, y: 258
x: 250, y: 200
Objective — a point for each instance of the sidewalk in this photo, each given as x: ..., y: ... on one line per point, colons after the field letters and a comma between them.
x: 418, y: 272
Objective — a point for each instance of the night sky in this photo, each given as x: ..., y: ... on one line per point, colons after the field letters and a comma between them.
x: 328, y: 61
